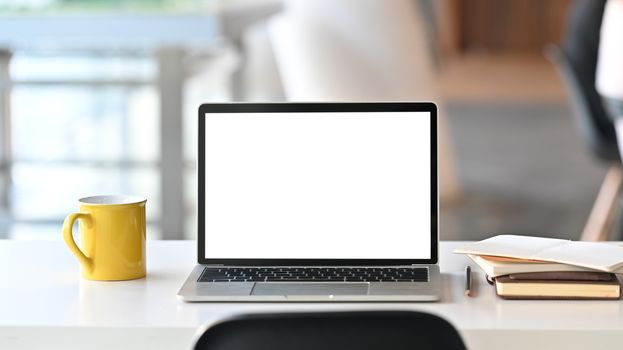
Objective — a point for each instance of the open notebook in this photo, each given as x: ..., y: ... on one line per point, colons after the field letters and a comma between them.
x: 598, y: 256
x: 494, y: 267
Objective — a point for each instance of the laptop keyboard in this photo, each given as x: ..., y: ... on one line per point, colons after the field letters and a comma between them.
x: 314, y: 274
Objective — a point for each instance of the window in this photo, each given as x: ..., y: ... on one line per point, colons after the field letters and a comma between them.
x: 77, y: 125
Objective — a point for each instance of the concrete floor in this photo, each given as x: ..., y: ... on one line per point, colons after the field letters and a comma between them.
x: 524, y: 169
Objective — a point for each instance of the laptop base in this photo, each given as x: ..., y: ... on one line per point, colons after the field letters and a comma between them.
x: 193, y: 291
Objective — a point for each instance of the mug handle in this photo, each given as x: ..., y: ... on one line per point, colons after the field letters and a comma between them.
x: 68, y: 224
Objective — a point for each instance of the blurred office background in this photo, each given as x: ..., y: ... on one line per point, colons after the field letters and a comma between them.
x: 100, y: 96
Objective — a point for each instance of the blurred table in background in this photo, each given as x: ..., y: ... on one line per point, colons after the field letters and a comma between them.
x: 173, y: 32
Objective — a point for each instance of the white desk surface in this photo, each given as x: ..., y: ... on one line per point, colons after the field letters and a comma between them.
x: 45, y: 304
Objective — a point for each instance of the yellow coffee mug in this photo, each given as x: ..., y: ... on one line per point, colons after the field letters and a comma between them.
x: 112, y: 237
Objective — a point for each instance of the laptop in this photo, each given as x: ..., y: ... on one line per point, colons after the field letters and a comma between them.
x: 325, y: 202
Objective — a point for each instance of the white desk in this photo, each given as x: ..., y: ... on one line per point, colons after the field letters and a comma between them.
x: 44, y: 304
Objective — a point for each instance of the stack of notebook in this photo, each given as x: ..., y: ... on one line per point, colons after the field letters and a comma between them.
x: 523, y: 267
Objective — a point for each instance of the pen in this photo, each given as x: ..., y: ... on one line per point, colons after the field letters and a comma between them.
x: 468, y: 281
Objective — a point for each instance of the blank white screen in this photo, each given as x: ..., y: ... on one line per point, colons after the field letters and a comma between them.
x: 318, y: 185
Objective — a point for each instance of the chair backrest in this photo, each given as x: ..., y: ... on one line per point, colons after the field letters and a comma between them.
x: 391, y: 330
x: 576, y: 61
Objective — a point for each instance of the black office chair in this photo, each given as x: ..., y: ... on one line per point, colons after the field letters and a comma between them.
x: 391, y: 330
x: 576, y: 61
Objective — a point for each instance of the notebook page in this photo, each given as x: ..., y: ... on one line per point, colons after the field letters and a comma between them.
x: 599, y: 256
x: 513, y: 246
x: 495, y: 268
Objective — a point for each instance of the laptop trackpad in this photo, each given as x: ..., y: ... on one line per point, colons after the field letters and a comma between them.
x: 286, y: 288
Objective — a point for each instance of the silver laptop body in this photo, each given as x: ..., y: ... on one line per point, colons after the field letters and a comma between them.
x: 294, y: 191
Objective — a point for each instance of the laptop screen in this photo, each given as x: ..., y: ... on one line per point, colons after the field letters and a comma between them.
x: 329, y: 185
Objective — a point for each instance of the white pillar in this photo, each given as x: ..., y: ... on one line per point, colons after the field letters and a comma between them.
x: 171, y: 89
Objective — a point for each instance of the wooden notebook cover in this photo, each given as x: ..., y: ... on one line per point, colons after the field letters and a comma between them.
x: 508, y: 279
